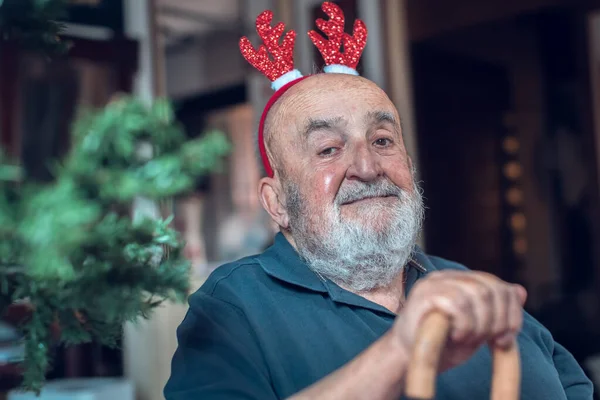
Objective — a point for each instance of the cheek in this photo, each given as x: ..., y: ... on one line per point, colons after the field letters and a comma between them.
x: 399, y: 172
x: 324, y: 185
x: 328, y: 185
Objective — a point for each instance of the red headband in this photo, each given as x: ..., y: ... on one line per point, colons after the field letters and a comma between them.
x: 280, y: 67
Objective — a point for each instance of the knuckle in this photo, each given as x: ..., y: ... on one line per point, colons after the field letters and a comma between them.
x: 461, y: 301
x: 489, y: 276
x: 470, y: 323
x: 485, y: 293
x: 435, y: 275
x: 507, y: 297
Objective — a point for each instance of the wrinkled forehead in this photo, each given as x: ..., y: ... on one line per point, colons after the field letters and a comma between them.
x: 329, y: 96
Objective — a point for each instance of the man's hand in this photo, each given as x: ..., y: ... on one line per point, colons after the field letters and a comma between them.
x: 482, y: 309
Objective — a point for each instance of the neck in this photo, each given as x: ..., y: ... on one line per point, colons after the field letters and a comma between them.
x: 288, y: 236
x: 391, y: 296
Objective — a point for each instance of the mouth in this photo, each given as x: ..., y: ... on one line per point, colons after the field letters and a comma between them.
x: 370, y: 198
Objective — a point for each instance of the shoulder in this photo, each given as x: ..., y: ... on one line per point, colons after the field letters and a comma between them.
x: 234, y: 283
x: 232, y: 273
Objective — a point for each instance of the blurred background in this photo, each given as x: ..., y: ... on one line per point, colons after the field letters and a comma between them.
x: 500, y: 101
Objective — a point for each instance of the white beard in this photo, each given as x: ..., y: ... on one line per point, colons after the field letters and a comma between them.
x: 356, y: 257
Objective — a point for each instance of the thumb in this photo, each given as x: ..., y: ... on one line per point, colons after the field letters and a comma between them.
x: 521, y: 294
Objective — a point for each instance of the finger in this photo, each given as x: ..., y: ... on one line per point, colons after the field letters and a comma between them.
x: 452, y: 301
x: 515, y: 319
x: 511, y: 298
x: 521, y: 294
x: 515, y: 316
x: 499, y: 328
x: 470, y: 328
x: 445, y: 274
x: 492, y: 299
x: 481, y: 296
x: 442, y: 295
x: 502, y: 297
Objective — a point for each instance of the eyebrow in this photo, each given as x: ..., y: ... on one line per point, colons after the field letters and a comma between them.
x: 317, y: 124
x: 378, y: 117
x: 372, y: 118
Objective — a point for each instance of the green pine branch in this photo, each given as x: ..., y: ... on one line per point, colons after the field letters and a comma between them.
x: 71, y: 248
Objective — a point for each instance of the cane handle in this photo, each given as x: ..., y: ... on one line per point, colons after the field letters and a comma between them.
x: 429, y: 345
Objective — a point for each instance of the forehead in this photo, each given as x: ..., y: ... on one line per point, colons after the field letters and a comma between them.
x: 333, y: 94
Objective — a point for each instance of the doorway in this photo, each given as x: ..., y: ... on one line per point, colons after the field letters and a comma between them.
x: 460, y: 104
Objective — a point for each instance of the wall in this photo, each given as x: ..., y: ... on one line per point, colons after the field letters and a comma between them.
x: 207, y: 64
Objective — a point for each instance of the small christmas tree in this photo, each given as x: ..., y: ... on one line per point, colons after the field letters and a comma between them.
x: 33, y: 24
x: 70, y: 249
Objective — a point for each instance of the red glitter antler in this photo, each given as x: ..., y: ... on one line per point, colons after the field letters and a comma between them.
x: 331, y: 49
x: 282, y: 60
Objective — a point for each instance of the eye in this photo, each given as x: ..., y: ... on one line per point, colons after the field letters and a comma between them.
x: 328, y: 151
x: 383, y: 142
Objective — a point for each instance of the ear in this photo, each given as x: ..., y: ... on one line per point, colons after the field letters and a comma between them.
x: 270, y: 194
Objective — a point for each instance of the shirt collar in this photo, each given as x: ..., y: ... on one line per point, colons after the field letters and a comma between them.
x: 283, y: 262
x: 421, y: 261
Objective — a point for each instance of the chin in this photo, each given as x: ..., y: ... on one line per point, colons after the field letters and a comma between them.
x: 377, y: 224
x: 368, y: 214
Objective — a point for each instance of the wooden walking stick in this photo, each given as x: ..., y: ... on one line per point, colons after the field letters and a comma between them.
x: 423, y: 368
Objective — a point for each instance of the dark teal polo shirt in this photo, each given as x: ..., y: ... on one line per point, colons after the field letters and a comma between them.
x: 266, y: 327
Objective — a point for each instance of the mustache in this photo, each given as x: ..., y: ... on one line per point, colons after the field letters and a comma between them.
x: 365, y: 190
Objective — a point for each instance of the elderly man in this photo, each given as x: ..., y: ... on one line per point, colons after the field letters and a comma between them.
x: 331, y: 310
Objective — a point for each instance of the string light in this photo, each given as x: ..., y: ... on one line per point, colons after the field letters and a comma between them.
x: 514, y: 196
x: 511, y: 145
x: 512, y: 170
x: 518, y: 222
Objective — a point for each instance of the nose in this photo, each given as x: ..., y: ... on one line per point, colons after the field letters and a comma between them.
x: 365, y: 165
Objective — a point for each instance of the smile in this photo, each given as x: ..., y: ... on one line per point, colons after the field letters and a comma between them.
x: 377, y: 198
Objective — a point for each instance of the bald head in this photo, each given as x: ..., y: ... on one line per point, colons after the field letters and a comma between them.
x: 313, y: 101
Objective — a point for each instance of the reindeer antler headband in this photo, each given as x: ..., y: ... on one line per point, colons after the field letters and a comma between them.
x: 279, y: 68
